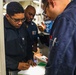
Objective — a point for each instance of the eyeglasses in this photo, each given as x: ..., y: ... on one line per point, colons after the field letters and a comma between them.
x: 17, y: 20
x: 45, y: 6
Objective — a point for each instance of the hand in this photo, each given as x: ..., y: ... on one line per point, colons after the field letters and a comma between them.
x: 38, y: 53
x: 32, y: 63
x: 23, y: 66
x: 41, y: 28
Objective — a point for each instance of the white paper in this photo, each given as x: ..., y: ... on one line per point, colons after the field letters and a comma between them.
x: 37, y: 70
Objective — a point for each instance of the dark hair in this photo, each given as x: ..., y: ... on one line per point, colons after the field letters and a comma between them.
x: 14, y: 8
x: 30, y: 6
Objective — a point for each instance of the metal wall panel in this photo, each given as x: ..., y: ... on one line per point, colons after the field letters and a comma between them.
x: 2, y: 50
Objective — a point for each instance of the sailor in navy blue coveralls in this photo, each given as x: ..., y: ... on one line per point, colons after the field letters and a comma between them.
x: 62, y: 55
x: 31, y: 26
x: 33, y: 32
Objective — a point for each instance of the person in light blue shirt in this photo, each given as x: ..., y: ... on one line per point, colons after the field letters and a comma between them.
x: 48, y: 24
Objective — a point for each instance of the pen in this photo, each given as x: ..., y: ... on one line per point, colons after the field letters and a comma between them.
x: 54, y: 41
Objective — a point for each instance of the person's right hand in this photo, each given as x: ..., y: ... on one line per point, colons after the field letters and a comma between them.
x: 23, y: 66
x: 42, y: 27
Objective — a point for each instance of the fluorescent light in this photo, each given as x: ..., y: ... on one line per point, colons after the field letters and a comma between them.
x: 36, y: 1
x: 16, y: 0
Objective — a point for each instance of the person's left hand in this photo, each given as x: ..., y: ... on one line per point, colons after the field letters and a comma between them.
x: 31, y: 62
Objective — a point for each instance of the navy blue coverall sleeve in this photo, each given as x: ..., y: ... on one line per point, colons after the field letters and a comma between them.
x: 62, y: 57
